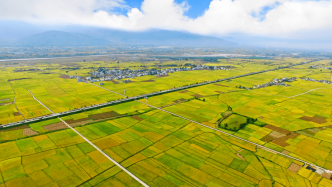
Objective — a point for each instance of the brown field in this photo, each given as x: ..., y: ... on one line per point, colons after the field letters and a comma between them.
x: 137, y: 118
x: 278, y: 129
x: 9, y: 103
x: 220, y: 85
x: 285, y: 152
x: 315, y: 119
x: 240, y: 156
x: 16, y: 128
x: 104, y: 115
x: 184, y: 91
x: 197, y: 95
x: 268, y: 138
x: 327, y: 175
x: 276, y: 134
x: 55, y: 126
x: 180, y: 100
x: 29, y: 132
x: 294, y: 168
x: 65, y: 77
x: 16, y: 114
x: 282, y: 141
x: 115, y: 82
x: 80, y: 123
x: 163, y: 76
x: 71, y: 121
x: 149, y: 80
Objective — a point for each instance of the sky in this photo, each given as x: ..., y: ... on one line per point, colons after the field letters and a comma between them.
x: 268, y: 18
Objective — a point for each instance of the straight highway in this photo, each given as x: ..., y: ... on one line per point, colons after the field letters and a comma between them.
x: 54, y: 115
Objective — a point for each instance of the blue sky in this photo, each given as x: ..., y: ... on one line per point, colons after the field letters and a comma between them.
x: 197, y: 7
x: 277, y: 18
x: 261, y: 14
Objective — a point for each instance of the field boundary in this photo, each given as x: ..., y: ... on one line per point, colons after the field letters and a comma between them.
x: 304, y: 93
x: 228, y: 134
x: 93, y: 145
x: 15, y: 100
x: 126, y: 99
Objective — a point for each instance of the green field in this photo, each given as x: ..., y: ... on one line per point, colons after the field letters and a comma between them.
x: 162, y: 149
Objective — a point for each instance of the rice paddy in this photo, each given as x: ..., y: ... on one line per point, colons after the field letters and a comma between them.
x: 162, y: 149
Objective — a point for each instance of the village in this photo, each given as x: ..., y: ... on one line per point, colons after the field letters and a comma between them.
x: 276, y: 82
x: 105, y: 74
x: 282, y: 82
x: 322, y: 67
x: 313, y: 80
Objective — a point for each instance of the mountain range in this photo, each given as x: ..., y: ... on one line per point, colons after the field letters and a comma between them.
x: 99, y: 37
x: 16, y: 33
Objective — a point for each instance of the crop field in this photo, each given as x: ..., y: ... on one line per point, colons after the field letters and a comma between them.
x: 162, y: 149
x: 8, y: 111
x: 62, y: 94
x: 157, y: 147
x: 56, y: 159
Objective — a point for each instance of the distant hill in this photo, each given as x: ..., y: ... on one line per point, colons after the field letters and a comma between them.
x: 157, y: 37
x: 98, y: 37
x: 60, y: 38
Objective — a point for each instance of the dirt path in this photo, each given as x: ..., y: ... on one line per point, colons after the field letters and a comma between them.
x: 93, y: 145
x: 15, y: 101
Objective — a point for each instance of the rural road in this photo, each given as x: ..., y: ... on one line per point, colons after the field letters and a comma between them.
x: 93, y: 145
x: 15, y: 101
x: 258, y: 145
x: 304, y: 93
x: 36, y: 119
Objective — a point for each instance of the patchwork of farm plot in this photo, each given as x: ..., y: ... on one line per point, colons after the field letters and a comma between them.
x: 79, y: 119
x: 164, y: 150
x: 60, y: 94
x: 159, y: 148
x: 8, y: 111
x: 56, y: 159
x: 308, y: 115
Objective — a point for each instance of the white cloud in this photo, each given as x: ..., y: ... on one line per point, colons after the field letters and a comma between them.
x: 222, y: 16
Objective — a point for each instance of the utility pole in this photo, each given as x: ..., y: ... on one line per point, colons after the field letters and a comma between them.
x: 124, y: 91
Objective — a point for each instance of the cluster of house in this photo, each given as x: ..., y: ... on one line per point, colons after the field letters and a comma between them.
x: 322, y: 81
x: 278, y: 82
x: 104, y: 74
x: 317, y: 66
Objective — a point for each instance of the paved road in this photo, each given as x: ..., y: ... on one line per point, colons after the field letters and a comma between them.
x: 93, y: 145
x: 304, y: 93
x: 258, y: 145
x: 53, y: 115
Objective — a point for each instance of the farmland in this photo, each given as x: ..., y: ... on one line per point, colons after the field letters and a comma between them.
x: 162, y: 149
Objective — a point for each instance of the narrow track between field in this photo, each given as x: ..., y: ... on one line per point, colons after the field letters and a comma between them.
x: 93, y: 145
x: 231, y: 135
x: 304, y: 93
x: 126, y: 99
